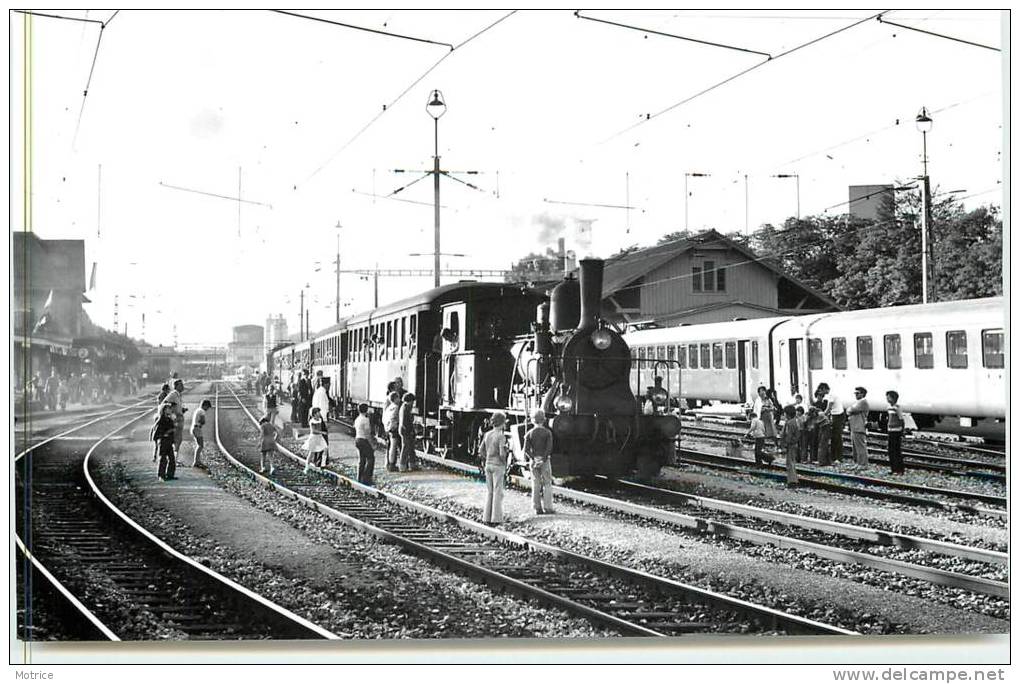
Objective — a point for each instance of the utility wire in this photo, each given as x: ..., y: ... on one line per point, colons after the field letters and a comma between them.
x: 737, y: 75
x: 405, y: 187
x: 403, y: 93
x: 57, y: 16
x: 363, y: 28
x: 464, y: 182
x: 589, y: 204
x: 88, y: 83
x: 396, y: 199
x: 938, y: 35
x: 213, y: 194
x: 577, y: 13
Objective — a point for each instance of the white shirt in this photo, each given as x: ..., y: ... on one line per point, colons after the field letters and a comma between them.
x: 835, y: 404
x: 362, y: 428
x: 320, y: 400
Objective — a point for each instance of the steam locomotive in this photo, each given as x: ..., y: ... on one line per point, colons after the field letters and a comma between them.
x: 468, y: 349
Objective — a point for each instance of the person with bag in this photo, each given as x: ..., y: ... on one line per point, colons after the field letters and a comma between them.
x: 494, y: 453
x: 315, y: 444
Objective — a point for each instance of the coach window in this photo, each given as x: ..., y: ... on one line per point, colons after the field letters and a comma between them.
x: 991, y: 349
x: 717, y: 355
x: 865, y: 352
x: 641, y: 357
x: 956, y: 348
x: 670, y: 353
x: 692, y: 351
x: 706, y: 356
x: 893, y: 354
x: 660, y: 353
x: 814, y: 354
x: 403, y: 336
x: 839, y: 353
x: 924, y: 353
x: 681, y: 355
x: 754, y: 354
x: 731, y: 354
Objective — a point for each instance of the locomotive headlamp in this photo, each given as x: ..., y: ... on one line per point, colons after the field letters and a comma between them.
x: 601, y: 339
x: 659, y: 396
x: 564, y: 404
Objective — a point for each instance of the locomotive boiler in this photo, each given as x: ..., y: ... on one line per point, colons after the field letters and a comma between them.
x: 578, y: 369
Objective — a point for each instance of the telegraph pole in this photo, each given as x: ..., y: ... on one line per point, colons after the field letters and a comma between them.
x: 338, y: 226
x: 928, y: 290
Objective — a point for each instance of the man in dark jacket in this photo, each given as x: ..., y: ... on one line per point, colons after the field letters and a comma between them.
x: 405, y: 422
x: 305, y: 394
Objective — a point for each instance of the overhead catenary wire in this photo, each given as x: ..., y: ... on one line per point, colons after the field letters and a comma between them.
x: 939, y: 35
x: 362, y: 28
x: 737, y: 75
x: 404, y: 92
x: 58, y: 16
x: 577, y: 13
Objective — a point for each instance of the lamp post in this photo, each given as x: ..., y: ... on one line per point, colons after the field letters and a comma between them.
x: 690, y: 174
x: 924, y: 124
x: 436, y: 107
x: 796, y: 176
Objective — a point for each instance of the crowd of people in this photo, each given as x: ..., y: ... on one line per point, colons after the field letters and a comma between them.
x: 167, y: 432
x: 56, y: 391
x: 813, y: 432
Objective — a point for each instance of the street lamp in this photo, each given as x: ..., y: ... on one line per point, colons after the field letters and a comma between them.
x: 924, y: 124
x: 690, y: 174
x: 436, y: 107
x: 796, y: 176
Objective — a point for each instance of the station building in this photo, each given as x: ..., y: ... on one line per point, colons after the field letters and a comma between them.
x: 707, y: 278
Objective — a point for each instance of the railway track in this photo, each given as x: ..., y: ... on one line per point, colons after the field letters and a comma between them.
x: 914, y: 459
x: 113, y: 579
x: 778, y: 471
x: 944, y: 563
x: 630, y: 601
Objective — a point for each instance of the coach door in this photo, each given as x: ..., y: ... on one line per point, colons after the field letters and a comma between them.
x: 453, y: 341
x: 796, y: 354
x: 742, y: 369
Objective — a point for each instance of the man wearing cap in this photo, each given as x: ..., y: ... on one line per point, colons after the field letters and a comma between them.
x: 538, y: 446
x: 857, y: 414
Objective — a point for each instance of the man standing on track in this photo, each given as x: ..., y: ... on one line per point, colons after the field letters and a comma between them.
x: 176, y: 404
x: 538, y: 446
x: 858, y: 417
x: 391, y: 423
x: 365, y: 443
x: 197, y: 431
x: 895, y: 430
x: 837, y: 412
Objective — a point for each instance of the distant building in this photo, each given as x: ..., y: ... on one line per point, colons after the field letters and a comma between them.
x: 248, y: 346
x: 276, y: 332
x: 543, y: 268
x: 704, y: 279
x: 868, y: 201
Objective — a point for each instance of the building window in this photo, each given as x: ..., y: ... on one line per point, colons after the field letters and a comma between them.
x: 839, y: 353
x: 696, y: 278
x: 893, y: 355
x: 731, y: 354
x: 720, y: 279
x: 991, y: 349
x: 708, y: 276
x: 814, y: 354
x: 924, y: 353
x: 754, y: 353
x: 956, y: 348
x: 706, y: 356
x: 865, y: 353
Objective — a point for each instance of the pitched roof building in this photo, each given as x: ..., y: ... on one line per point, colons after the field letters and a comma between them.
x: 702, y: 279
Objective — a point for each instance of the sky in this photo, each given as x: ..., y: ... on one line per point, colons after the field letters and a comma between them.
x: 556, y: 113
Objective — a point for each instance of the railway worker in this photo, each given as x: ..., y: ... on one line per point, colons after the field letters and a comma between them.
x: 858, y: 417
x: 365, y: 443
x: 163, y: 435
x: 790, y: 442
x: 494, y: 454
x: 267, y: 444
x: 198, y: 432
x: 837, y: 412
x: 895, y: 431
x: 538, y: 447
x: 391, y: 423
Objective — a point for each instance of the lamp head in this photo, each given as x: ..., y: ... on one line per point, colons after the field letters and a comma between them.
x: 924, y: 121
x: 436, y: 106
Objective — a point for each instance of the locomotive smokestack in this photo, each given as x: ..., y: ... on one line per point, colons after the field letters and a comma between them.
x: 562, y: 243
x: 591, y: 292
